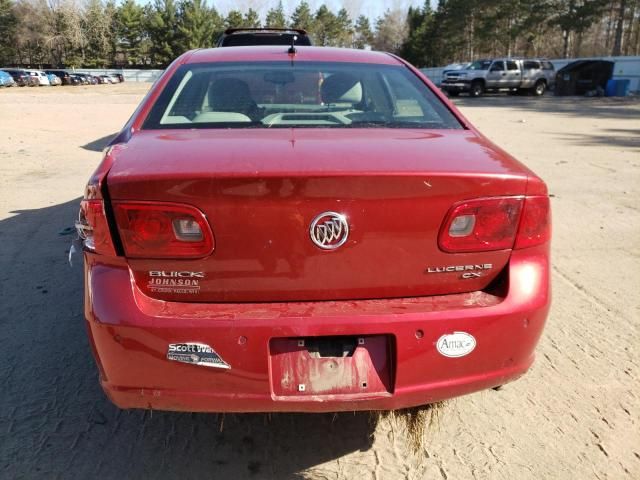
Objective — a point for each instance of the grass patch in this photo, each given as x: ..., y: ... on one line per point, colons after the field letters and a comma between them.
x: 415, y: 422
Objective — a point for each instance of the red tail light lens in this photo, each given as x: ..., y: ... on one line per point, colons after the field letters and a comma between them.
x: 163, y: 230
x: 535, y: 226
x: 93, y: 228
x: 481, y: 225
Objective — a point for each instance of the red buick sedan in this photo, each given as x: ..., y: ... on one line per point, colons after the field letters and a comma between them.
x: 311, y: 231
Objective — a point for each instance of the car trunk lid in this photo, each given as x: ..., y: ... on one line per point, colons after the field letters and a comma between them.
x: 261, y: 191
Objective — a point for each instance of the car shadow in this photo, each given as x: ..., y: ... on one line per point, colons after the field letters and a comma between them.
x: 56, y: 421
x: 619, y: 108
x: 597, y: 107
x: 99, y: 144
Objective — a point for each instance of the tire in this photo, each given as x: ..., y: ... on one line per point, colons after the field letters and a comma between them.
x: 477, y: 89
x: 539, y: 88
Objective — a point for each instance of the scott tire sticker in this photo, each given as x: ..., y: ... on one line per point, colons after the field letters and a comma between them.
x: 196, y: 354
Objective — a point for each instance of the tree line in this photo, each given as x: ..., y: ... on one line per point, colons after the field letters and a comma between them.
x: 103, y: 33
x: 461, y: 30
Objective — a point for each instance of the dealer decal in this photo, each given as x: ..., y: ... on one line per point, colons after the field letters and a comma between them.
x: 161, y: 281
x: 456, y: 344
x: 196, y: 354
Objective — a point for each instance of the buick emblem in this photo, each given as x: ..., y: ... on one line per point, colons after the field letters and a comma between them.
x: 329, y: 230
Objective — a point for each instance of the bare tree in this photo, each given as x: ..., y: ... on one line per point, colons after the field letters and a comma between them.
x: 617, y: 43
x: 391, y: 31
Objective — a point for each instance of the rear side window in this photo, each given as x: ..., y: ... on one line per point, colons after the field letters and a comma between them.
x: 497, y: 66
x: 531, y: 65
x: 302, y: 94
x: 512, y: 65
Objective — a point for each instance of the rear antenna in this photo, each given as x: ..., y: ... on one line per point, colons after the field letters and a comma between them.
x: 292, y: 49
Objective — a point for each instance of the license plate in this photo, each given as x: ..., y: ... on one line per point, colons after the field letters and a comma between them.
x: 330, y: 365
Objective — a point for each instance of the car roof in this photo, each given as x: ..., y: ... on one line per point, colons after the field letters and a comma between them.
x: 279, y: 53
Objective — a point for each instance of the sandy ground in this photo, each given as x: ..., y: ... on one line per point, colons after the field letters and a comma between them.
x: 575, y: 415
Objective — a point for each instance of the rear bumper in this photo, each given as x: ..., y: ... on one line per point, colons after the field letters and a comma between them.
x: 130, y: 334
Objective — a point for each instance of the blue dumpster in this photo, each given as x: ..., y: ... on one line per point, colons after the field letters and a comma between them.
x: 622, y: 87
x: 617, y: 87
x: 610, y: 89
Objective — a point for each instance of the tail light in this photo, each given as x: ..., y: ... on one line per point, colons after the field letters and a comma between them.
x: 535, y: 226
x: 163, y: 230
x: 93, y: 228
x: 496, y: 223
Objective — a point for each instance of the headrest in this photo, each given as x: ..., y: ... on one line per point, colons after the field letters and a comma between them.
x: 341, y: 88
x: 230, y: 95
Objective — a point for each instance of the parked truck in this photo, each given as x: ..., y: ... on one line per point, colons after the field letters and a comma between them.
x: 500, y: 74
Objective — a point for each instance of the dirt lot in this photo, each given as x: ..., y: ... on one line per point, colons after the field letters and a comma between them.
x: 575, y: 415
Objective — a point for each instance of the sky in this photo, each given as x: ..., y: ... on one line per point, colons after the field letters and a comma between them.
x: 371, y: 8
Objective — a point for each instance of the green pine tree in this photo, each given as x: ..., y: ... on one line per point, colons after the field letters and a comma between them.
x: 276, y: 18
x: 234, y: 19
x: 574, y: 17
x: 251, y: 19
x: 130, y: 31
x: 325, y: 26
x: 344, y: 29
x: 8, y: 31
x: 414, y: 48
x: 97, y: 24
x: 363, y: 36
x: 302, y: 17
x: 197, y: 24
x: 162, y: 26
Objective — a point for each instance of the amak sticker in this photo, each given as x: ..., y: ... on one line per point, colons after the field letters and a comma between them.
x: 456, y: 344
x: 196, y: 354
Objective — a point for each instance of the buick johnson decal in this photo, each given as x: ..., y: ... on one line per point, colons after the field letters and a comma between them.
x: 187, y: 282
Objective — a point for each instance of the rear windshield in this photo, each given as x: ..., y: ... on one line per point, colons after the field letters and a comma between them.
x: 297, y: 94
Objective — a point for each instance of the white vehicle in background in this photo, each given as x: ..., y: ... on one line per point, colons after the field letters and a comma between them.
x: 42, y: 77
x: 114, y: 78
x: 506, y: 74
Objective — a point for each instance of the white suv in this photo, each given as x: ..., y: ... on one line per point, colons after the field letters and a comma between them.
x: 41, y: 76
